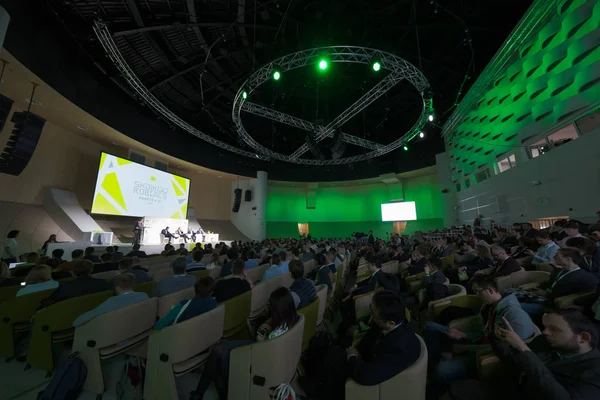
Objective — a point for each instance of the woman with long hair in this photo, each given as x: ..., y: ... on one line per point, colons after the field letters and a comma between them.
x: 38, y: 279
x: 282, y: 317
x: 51, y: 239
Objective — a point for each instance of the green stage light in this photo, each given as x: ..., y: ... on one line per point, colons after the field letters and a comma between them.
x: 431, y: 117
x: 323, y: 64
x: 276, y: 75
x: 244, y: 95
x: 422, y: 135
x: 405, y: 148
x: 376, y: 66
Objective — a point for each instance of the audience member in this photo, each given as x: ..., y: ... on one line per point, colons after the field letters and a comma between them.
x: 528, y: 230
x: 76, y: 255
x: 83, y: 284
x: 468, y: 254
x: 215, y: 261
x: 51, y: 239
x: 283, y: 265
x: 32, y: 259
x: 505, y: 265
x: 197, y: 265
x: 443, y: 249
x: 89, y: 255
x: 546, y: 252
x: 38, y: 279
x: 182, y: 251
x: 110, y: 251
x: 590, y: 253
x: 125, y: 296
x: 238, y: 284
x: 249, y: 261
x: 5, y: 278
x: 572, y: 231
x: 117, y: 255
x: 304, y: 288
x: 226, y: 270
x: 203, y: 302
x: 330, y: 255
x: 434, y: 281
x: 136, y: 252
x: 126, y: 267
x: 323, y: 273
x: 274, y: 270
x: 557, y: 230
x: 57, y: 255
x: 418, y: 260
x: 506, y: 241
x: 179, y: 281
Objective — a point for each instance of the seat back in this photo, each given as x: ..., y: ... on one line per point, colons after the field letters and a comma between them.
x: 159, y: 274
x: 390, y: 267
x: 448, y: 261
x: 256, y: 273
x: 322, y: 295
x: 453, y: 291
x: 410, y: 382
x: 146, y: 287
x: 108, y: 275
x: 215, y: 272
x: 256, y: 368
x: 310, y: 313
x: 200, y: 274
x: 179, y: 343
x: 166, y: 303
x: 309, y: 266
x: 237, y: 311
x: 362, y: 305
x: 7, y: 293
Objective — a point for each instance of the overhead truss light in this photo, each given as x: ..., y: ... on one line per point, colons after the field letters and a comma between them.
x: 405, y: 148
x: 422, y: 135
x: 323, y: 64
x: 376, y: 66
x: 276, y: 74
x: 244, y: 95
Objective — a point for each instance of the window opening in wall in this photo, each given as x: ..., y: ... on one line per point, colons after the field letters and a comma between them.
x: 303, y: 229
x: 457, y: 185
x: 162, y: 166
x: 589, y: 123
x: 482, y: 174
x: 506, y: 162
x: 468, y: 183
x: 137, y: 157
x: 556, y: 139
x: 547, y: 222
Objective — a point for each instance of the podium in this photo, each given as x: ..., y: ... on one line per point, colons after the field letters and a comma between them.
x: 98, y: 238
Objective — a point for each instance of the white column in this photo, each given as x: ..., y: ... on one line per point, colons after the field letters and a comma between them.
x: 260, y: 202
x: 4, y: 20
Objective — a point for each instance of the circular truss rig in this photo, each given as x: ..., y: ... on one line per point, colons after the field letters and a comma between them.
x: 398, y: 68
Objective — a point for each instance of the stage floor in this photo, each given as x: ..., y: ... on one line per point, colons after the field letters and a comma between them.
x: 150, y: 248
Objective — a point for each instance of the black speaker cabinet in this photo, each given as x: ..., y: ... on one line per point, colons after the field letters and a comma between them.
x: 5, y: 106
x: 21, y: 143
x: 248, y: 195
x: 237, y: 200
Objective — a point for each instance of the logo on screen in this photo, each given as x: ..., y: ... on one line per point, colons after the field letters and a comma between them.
x: 148, y: 191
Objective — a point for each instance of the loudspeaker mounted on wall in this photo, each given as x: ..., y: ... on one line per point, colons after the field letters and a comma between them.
x: 237, y: 200
x: 248, y: 195
x: 21, y: 143
x: 5, y: 107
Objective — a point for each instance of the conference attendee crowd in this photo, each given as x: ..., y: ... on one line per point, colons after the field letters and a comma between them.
x: 462, y: 313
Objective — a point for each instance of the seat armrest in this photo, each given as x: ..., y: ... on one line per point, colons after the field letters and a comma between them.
x: 568, y: 301
x: 354, y: 391
x: 488, y: 365
x: 467, y: 324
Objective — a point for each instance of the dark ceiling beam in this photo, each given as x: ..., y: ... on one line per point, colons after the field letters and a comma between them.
x: 179, y: 26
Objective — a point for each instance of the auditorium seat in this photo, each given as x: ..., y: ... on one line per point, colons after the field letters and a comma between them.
x: 258, y: 368
x: 54, y: 324
x: 178, y: 350
x: 322, y: 295
x: 309, y: 266
x: 15, y: 317
x: 165, y: 303
x: 457, y: 295
x: 8, y: 293
x: 237, y: 311
x: 255, y: 274
x: 572, y: 299
x: 108, y: 275
x: 200, y: 274
x: 146, y: 287
x: 112, y: 334
x: 414, y: 282
x: 391, y: 267
x: 544, y: 267
x: 362, y: 305
x: 520, y: 278
x: 448, y: 261
x: 410, y: 383
x: 261, y: 293
x: 311, y: 314
x: 157, y: 275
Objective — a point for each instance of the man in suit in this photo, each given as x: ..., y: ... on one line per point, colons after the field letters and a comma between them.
x: 137, y: 231
x: 165, y: 232
x: 238, y: 284
x: 125, y: 296
x: 302, y: 287
x: 505, y: 265
x: 126, y: 265
x: 136, y: 252
x: 82, y: 284
x: 179, y: 281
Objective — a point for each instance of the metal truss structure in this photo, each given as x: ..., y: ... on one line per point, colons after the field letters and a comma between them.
x: 398, y: 69
x: 149, y: 99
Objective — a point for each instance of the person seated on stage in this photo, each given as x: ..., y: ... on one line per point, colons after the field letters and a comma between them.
x: 302, y: 287
x: 179, y: 281
x: 497, y: 310
x: 274, y: 270
x: 125, y: 296
x: 165, y: 232
x: 236, y: 285
x: 168, y: 251
x: 110, y: 251
x: 182, y: 251
x: 126, y: 267
x: 180, y: 233
x: 76, y: 255
x: 547, y: 250
x: 57, y: 255
x: 117, y: 255
x: 38, y: 279
x: 136, y: 252
x: 226, y: 270
x: 249, y: 261
x: 202, y: 303
x: 82, y: 285
x: 89, y: 255
x: 197, y: 265
x: 215, y: 261
x: 563, y: 363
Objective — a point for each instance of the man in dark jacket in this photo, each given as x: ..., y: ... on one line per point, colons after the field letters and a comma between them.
x: 302, y: 287
x: 562, y: 364
x: 505, y: 265
x: 226, y: 269
x: 80, y: 286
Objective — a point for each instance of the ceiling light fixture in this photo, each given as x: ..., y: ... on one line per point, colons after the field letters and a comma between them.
x: 323, y: 64
x: 244, y: 95
x: 422, y: 135
x: 405, y: 148
x: 376, y: 66
x: 276, y: 75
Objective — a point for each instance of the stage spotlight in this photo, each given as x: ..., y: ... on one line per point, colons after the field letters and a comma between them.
x: 405, y: 148
x: 244, y: 95
x: 430, y: 117
x: 323, y: 64
x: 422, y: 135
x: 276, y: 75
x: 376, y: 66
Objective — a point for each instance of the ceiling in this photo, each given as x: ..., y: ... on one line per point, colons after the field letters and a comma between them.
x: 195, y: 55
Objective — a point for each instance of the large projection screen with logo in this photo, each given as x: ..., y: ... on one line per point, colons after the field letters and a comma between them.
x: 402, y: 211
x: 130, y: 189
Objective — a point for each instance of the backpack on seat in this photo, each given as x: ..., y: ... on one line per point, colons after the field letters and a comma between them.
x: 67, y: 381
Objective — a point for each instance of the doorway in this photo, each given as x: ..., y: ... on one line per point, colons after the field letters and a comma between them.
x: 303, y: 229
x: 399, y: 227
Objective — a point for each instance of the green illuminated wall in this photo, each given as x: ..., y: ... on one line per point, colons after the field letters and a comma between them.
x: 341, y: 210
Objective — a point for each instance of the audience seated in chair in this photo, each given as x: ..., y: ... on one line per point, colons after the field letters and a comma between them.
x: 117, y: 255
x: 89, y: 255
x: 182, y: 251
x: 302, y: 287
x: 571, y: 231
x: 38, y: 279
x: 547, y: 250
x: 186, y: 309
x: 443, y: 249
x: 563, y: 363
x: 249, y: 261
x: 76, y: 255
x: 434, y: 281
x: 179, y: 281
x: 557, y: 230
x: 495, y: 311
x: 590, y: 252
x: 467, y: 255
x: 282, y: 317
x: 80, y: 286
x: 196, y: 265
x: 484, y: 261
x: 274, y: 270
x: 125, y: 296
x: 31, y: 260
x: 324, y: 276
x: 227, y: 267
x: 237, y: 284
x: 506, y: 241
x: 168, y: 251
x: 136, y: 252
x: 111, y: 253
x: 5, y: 278
x: 505, y: 265
x: 126, y: 267
x: 528, y: 230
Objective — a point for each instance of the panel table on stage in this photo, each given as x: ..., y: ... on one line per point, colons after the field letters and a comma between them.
x: 211, y: 238
x: 154, y: 225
